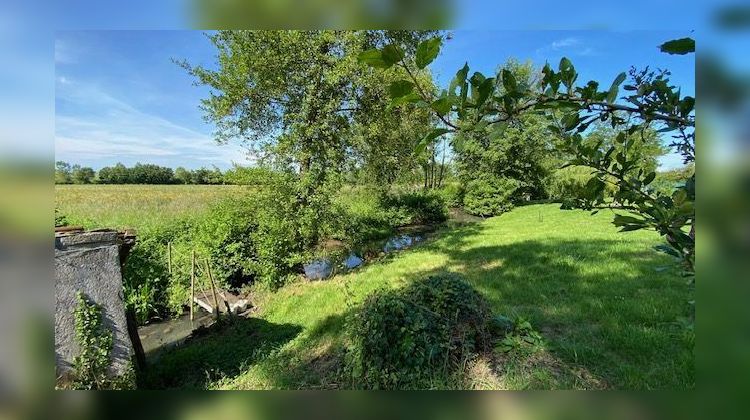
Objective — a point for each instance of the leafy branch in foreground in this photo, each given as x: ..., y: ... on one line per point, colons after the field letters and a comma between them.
x: 477, y: 102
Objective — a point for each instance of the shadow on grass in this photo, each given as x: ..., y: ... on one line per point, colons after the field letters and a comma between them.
x: 606, y: 310
x: 222, y: 350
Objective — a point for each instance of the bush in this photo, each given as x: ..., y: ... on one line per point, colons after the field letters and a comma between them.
x: 490, y: 196
x: 568, y: 185
x: 279, y: 234
x: 366, y: 214
x: 361, y: 216
x: 452, y: 194
x: 408, y: 338
x: 421, y: 207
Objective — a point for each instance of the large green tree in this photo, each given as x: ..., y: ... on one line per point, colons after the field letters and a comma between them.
x: 303, y: 102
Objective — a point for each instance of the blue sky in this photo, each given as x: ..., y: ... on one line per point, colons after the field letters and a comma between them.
x: 120, y: 98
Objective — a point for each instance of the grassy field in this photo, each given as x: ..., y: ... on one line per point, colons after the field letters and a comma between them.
x: 605, y: 302
x: 136, y: 206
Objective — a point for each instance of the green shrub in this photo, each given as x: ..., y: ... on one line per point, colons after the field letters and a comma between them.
x: 489, y: 196
x: 568, y: 183
x: 411, y: 337
x: 366, y: 214
x: 278, y: 236
x: 421, y: 207
x: 452, y: 194
x: 145, y: 275
x: 361, y: 216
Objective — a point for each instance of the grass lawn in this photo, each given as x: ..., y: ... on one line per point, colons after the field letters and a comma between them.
x: 605, y: 302
x: 136, y: 206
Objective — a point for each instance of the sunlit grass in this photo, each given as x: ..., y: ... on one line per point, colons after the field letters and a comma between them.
x: 603, y: 301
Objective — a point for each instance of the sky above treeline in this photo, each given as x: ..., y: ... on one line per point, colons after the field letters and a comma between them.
x: 119, y: 97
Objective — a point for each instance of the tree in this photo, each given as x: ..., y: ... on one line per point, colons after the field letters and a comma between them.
x: 292, y: 97
x: 118, y: 174
x: 182, y: 175
x: 62, y: 172
x: 82, y: 175
x: 151, y: 174
x: 476, y: 102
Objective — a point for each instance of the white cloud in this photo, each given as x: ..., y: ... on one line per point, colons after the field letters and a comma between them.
x: 564, y: 43
x: 106, y: 128
x: 570, y: 45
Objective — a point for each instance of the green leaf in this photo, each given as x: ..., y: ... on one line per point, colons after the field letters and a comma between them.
x: 400, y: 88
x: 427, y: 51
x: 442, y: 106
x: 392, y: 54
x: 621, y: 220
x: 509, y: 81
x: 680, y: 46
x: 649, y: 178
x: 373, y: 58
x: 484, y: 91
x: 437, y: 132
x: 567, y: 72
x: 687, y: 104
x: 615, y: 88
x: 570, y: 121
x: 410, y: 98
x: 679, y: 196
x: 477, y: 79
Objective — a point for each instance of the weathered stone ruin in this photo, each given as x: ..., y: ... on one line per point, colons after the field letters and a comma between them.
x: 91, y: 262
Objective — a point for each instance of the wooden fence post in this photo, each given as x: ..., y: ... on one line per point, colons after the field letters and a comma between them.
x: 213, y: 288
x: 192, y: 285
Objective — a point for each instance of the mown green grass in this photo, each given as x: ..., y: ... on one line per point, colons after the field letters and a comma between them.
x: 605, y: 302
x: 137, y: 206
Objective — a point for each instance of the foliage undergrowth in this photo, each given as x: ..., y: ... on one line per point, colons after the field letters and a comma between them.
x: 409, y: 338
x: 260, y: 235
x: 91, y: 368
x: 490, y: 196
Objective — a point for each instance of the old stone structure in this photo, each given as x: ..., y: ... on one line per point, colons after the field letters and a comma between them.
x: 90, y: 262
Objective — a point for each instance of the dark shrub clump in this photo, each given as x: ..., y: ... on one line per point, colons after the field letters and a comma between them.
x: 415, y: 337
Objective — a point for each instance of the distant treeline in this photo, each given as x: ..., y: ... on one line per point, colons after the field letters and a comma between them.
x: 146, y: 173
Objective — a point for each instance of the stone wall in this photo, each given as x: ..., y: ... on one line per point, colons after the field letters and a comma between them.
x: 90, y: 262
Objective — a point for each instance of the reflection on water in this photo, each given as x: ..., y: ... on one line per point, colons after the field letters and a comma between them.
x: 172, y: 332
x: 323, y: 268
x: 400, y: 242
x: 318, y: 269
x: 353, y: 261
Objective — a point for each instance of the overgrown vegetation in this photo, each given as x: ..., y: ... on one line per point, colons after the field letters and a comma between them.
x: 259, y: 236
x: 91, y: 368
x: 409, y: 338
x: 348, y: 153
x: 604, y: 303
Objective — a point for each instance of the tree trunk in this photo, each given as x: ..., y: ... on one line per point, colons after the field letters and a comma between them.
x: 442, y: 167
x: 432, y: 170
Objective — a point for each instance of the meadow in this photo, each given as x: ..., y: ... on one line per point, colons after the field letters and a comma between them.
x: 137, y: 206
x: 607, y: 305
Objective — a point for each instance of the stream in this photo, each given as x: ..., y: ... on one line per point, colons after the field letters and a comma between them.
x: 168, y: 333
